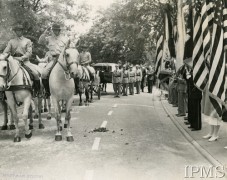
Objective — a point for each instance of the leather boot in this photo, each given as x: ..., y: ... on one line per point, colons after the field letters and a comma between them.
x: 46, y: 86
x: 36, y: 88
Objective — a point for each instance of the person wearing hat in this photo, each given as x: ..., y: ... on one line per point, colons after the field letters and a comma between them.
x: 55, y: 41
x: 21, y: 49
x: 125, y: 81
x: 85, y: 56
x: 132, y: 76
x: 117, y: 77
x: 138, y: 79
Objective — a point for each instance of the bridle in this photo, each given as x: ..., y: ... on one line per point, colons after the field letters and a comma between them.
x: 6, y: 77
x: 67, y: 67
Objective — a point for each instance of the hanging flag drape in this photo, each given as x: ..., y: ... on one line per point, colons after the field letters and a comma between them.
x: 159, y: 52
x: 201, y: 48
x: 217, y: 86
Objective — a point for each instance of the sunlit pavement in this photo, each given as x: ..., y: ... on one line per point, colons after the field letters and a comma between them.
x: 141, y: 143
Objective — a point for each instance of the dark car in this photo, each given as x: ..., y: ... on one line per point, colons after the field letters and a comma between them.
x: 106, y: 71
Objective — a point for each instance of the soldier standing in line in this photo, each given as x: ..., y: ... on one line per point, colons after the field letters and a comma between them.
x: 150, y: 78
x: 132, y: 76
x: 125, y: 81
x: 138, y: 79
x: 117, y: 77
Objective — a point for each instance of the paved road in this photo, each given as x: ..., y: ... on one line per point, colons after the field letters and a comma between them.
x: 142, y: 144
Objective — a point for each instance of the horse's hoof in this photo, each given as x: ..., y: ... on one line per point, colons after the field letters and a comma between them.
x: 63, y: 110
x: 45, y: 110
x: 41, y: 126
x: 17, y: 139
x: 48, y: 117
x: 91, y: 101
x: 30, y: 127
x: 4, y: 127
x: 80, y: 104
x: 12, y: 127
x: 65, y: 125
x: 60, y: 128
x: 36, y: 116
x: 58, y: 137
x: 28, y: 136
x: 70, y: 139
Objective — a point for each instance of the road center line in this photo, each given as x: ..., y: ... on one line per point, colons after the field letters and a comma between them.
x: 96, y: 143
x: 115, y: 105
x: 104, y: 124
x: 89, y: 174
x: 110, y: 113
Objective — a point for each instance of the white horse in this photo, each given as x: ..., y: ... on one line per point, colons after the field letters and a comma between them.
x: 62, y: 88
x: 16, y: 83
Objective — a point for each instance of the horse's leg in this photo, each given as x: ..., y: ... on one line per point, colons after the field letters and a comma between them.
x: 16, y: 120
x: 91, y: 93
x: 36, y: 103
x: 57, y: 109
x: 30, y: 117
x: 80, y: 94
x: 49, y: 108
x: 5, y: 110
x: 45, y: 104
x: 87, y: 97
x: 105, y: 85
x: 41, y: 126
x: 27, y: 106
x: 67, y: 120
x: 12, y: 125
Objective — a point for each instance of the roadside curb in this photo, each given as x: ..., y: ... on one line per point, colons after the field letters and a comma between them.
x: 197, y: 146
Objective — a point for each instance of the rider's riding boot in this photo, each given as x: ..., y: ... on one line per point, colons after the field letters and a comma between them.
x: 36, y: 88
x: 46, y: 86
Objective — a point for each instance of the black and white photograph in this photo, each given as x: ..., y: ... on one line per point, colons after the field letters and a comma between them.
x: 113, y: 89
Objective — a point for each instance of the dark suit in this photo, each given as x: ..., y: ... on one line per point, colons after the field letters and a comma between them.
x: 194, y: 105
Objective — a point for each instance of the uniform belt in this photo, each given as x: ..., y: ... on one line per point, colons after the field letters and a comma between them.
x: 55, y: 55
x: 132, y: 76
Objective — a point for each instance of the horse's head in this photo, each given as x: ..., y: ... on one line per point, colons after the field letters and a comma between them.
x: 71, y: 61
x: 4, y: 71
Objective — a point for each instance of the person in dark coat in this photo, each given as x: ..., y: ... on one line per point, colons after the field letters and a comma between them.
x: 194, y: 104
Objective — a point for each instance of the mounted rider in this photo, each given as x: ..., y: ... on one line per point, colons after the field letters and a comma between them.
x: 85, y: 59
x: 55, y: 41
x: 20, y: 48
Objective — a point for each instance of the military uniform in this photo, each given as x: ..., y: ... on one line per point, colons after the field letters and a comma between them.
x: 132, y: 79
x: 117, y: 80
x: 55, y: 44
x: 138, y: 80
x: 21, y: 47
x: 150, y: 79
x: 125, y: 81
x: 85, y: 58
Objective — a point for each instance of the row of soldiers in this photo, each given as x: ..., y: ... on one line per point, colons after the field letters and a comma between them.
x: 131, y: 77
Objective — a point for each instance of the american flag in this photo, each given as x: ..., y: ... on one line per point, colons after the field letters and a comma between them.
x: 202, y: 42
x: 225, y: 24
x: 217, y: 61
x: 159, y: 52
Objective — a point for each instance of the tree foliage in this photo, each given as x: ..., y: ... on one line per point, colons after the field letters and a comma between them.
x: 126, y: 31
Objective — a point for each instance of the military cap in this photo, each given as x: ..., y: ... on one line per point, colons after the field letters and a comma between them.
x: 56, y: 26
x: 18, y: 27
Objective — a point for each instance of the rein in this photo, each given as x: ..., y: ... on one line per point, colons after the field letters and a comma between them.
x: 66, y: 69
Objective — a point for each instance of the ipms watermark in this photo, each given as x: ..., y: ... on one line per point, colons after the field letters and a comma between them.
x: 205, y: 172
